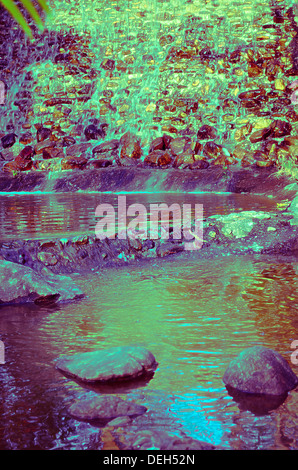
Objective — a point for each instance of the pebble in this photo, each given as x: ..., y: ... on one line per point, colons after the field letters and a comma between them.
x: 39, y: 147
x: 131, y: 147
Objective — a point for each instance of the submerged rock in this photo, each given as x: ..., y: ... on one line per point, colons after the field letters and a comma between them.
x: 21, y: 284
x: 260, y: 370
x: 109, y: 365
x: 104, y: 408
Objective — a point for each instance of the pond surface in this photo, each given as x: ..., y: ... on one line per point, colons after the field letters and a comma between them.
x: 37, y: 215
x: 194, y: 316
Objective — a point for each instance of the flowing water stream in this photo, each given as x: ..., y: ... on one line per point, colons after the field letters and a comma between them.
x: 194, y: 315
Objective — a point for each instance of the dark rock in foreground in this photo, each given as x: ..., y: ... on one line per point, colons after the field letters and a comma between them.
x: 21, y: 284
x: 260, y: 370
x: 104, y: 408
x: 109, y: 365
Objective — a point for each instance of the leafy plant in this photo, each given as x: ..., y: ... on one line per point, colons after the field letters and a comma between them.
x: 16, y: 13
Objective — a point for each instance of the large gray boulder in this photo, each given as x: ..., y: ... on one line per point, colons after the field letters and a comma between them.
x: 260, y: 370
x: 108, y: 365
x: 104, y: 408
x: 21, y: 284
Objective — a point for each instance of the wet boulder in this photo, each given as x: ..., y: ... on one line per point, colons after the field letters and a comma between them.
x: 8, y: 140
x: 92, y: 132
x: 259, y: 370
x: 237, y: 225
x: 104, y: 408
x: 21, y: 284
x: 43, y: 133
x: 108, y: 365
x: 206, y: 132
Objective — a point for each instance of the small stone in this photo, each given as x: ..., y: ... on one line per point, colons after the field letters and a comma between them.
x: 67, y: 141
x: 7, y: 155
x: 108, y: 64
x: 279, y: 84
x: 8, y: 140
x: 184, y: 160
x: 103, y: 161
x: 26, y: 138
x: 158, y: 158
x: 39, y: 148
x: 271, y: 70
x: 77, y: 150
x: 10, y: 167
x: 280, y: 128
x: 104, y: 408
x: 55, y: 101
x: 260, y: 135
x: 211, y: 149
x: 206, y: 132
x: 262, y: 123
x: 179, y: 145
x: 166, y: 249
x: 43, y: 133
x: 52, y: 164
x: 27, y: 125
x: 131, y: 147
x: 167, y: 139
x: 48, y: 259
x: 200, y: 165
x: 24, y: 160
x: 241, y: 151
x: 92, y: 132
x: 110, y: 146
x: 254, y: 71
x: 157, y: 144
x: 264, y: 163
x: 52, y: 152
x: 63, y: 57
x: 151, y: 108
x: 251, y: 94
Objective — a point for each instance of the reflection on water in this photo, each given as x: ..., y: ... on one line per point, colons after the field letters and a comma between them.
x: 194, y: 317
x: 36, y: 215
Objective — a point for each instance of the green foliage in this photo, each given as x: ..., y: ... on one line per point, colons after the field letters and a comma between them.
x: 18, y: 16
